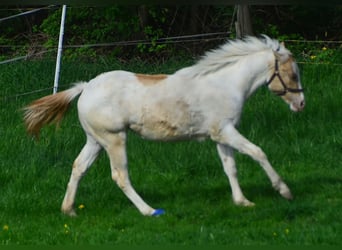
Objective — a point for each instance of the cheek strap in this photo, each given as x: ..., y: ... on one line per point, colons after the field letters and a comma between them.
x: 286, y: 89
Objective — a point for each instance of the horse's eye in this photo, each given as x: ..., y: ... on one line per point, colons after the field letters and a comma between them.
x: 295, y: 77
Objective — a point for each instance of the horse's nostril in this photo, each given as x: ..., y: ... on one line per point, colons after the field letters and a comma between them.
x: 302, y: 104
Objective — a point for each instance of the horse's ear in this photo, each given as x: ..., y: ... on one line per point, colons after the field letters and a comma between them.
x: 280, y: 57
x: 277, y: 55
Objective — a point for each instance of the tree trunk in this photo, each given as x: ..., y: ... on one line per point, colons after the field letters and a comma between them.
x: 243, y: 24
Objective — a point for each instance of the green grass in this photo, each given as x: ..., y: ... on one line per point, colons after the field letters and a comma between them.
x: 185, y: 178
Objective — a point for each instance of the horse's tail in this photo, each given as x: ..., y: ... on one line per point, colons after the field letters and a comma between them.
x: 49, y: 109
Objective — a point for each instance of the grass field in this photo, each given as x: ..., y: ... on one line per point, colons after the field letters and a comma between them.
x: 185, y: 178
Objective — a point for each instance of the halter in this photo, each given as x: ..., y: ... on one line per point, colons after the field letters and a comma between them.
x: 286, y: 89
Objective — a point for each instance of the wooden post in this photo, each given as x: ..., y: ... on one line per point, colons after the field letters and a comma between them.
x: 243, y: 25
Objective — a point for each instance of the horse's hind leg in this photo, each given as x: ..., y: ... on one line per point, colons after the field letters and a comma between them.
x: 116, y: 149
x: 80, y: 166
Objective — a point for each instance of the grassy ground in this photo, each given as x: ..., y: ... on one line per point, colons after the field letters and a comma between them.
x: 186, y: 178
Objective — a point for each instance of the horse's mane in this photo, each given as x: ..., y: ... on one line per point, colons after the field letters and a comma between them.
x: 232, y: 51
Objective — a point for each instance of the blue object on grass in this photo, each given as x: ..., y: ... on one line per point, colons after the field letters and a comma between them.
x: 158, y: 212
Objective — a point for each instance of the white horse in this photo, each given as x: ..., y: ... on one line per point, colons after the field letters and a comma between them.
x: 201, y: 101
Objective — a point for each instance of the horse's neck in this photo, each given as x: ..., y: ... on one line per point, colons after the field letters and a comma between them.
x: 244, y: 77
x: 254, y: 70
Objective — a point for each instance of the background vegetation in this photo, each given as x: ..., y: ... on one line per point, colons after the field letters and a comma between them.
x: 89, y: 25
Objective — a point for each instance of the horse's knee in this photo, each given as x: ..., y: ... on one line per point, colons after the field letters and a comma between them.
x: 229, y: 167
x: 258, y: 154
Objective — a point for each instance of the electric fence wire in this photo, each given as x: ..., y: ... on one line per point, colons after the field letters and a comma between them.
x: 26, y: 13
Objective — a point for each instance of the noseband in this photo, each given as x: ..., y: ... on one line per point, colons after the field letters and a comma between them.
x: 286, y: 89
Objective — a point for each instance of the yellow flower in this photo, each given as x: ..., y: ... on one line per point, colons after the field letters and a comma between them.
x: 81, y: 206
x: 324, y: 48
x: 5, y: 227
x: 66, y: 229
x: 312, y: 57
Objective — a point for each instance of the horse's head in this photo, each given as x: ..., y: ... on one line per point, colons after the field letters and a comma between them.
x: 285, y: 81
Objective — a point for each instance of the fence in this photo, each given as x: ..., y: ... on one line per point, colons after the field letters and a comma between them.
x: 166, y: 40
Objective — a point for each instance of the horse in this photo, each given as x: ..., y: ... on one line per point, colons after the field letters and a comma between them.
x: 202, y: 101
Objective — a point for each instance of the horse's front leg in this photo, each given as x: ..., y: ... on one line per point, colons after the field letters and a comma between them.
x: 227, y: 157
x: 231, y: 137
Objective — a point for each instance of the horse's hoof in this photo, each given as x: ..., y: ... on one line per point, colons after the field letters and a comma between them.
x: 158, y: 212
x: 287, y: 194
x: 285, y: 191
x: 69, y: 212
x: 245, y: 203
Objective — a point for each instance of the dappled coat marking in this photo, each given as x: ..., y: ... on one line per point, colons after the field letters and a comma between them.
x: 197, y: 102
x: 150, y: 79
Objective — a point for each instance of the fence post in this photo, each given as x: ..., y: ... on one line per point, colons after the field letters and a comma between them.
x: 243, y: 25
x: 59, y: 51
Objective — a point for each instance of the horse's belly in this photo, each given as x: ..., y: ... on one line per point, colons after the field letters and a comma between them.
x: 163, y: 130
x: 169, y: 125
